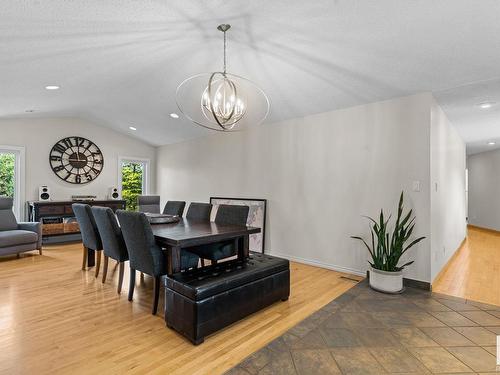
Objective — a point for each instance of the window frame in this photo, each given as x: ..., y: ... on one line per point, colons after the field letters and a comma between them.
x: 20, y: 179
x: 131, y: 159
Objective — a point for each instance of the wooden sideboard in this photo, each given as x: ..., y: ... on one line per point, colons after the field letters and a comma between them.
x: 58, y: 219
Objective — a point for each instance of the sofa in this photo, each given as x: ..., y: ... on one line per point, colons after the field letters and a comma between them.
x: 17, y: 237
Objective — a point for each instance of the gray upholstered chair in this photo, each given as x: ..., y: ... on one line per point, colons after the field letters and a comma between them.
x: 148, y: 203
x: 112, y: 241
x: 144, y: 254
x: 174, y: 208
x: 199, y: 211
x: 226, y: 214
x: 17, y: 237
x: 90, y: 234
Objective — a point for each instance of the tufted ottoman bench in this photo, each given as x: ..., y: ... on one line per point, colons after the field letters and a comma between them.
x: 202, y: 301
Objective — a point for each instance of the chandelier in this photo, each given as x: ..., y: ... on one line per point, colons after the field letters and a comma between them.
x: 220, y: 100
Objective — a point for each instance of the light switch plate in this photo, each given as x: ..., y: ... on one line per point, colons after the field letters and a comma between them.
x: 416, y: 185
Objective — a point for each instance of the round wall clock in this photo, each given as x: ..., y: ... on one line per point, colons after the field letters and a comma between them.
x: 76, y: 160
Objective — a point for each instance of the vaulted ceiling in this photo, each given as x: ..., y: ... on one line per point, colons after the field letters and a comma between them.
x: 118, y: 62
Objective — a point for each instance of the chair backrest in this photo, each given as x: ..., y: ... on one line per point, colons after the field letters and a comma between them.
x: 149, y: 203
x: 88, y: 227
x: 199, y: 211
x: 144, y: 255
x: 232, y: 214
x: 7, y: 219
x: 174, y: 208
x: 111, y: 234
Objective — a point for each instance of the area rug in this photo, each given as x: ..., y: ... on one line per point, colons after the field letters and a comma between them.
x: 366, y: 332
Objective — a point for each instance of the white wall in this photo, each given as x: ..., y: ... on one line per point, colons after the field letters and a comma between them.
x: 39, y: 135
x: 448, y: 204
x: 320, y: 174
x: 484, y: 189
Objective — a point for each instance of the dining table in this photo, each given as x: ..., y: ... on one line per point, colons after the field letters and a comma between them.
x: 188, y: 233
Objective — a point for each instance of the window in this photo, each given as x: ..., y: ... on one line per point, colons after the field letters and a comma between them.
x: 12, y: 177
x: 133, y: 180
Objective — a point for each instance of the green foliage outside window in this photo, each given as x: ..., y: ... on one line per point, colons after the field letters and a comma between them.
x: 7, y: 164
x: 132, y: 175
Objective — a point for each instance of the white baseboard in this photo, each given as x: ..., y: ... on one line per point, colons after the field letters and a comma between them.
x: 319, y: 264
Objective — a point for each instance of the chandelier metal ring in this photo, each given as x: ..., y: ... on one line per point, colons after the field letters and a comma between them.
x: 228, y: 102
x: 200, y: 119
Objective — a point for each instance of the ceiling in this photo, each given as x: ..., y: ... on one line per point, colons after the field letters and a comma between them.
x: 476, y: 125
x: 118, y: 62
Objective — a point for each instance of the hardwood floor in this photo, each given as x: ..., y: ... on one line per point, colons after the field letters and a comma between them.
x: 56, y: 318
x: 474, y: 272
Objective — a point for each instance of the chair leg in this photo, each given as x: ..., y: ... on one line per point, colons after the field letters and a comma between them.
x: 131, y: 285
x: 85, y: 254
x: 156, y: 293
x: 202, y: 262
x: 105, y: 269
x: 18, y: 255
x: 40, y: 251
x: 98, y: 262
x: 120, y: 277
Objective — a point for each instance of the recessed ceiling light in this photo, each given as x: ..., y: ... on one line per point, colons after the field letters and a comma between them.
x: 491, y: 143
x: 486, y: 105
x: 174, y: 115
x: 132, y: 128
x: 52, y: 87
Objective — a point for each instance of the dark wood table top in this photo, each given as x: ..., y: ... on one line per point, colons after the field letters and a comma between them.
x: 191, y: 233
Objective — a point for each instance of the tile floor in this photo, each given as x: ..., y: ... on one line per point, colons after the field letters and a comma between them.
x: 365, y: 332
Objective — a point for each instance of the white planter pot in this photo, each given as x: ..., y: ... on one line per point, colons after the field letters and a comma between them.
x: 387, y: 282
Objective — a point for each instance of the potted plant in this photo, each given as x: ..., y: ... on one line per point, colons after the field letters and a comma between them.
x: 387, y: 248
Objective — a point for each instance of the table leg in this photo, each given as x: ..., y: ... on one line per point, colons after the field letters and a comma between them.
x: 243, y: 247
x: 91, y: 258
x: 173, y: 260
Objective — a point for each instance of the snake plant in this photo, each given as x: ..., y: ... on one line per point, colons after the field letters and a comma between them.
x: 387, y: 248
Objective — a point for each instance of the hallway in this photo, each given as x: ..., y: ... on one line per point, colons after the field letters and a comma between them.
x: 473, y: 272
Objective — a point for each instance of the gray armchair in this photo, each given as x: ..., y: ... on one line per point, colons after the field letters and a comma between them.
x: 17, y: 237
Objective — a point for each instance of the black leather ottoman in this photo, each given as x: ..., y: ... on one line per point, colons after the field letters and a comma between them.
x: 200, y: 302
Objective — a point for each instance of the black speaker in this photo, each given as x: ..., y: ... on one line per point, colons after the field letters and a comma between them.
x: 43, y: 193
x: 114, y: 193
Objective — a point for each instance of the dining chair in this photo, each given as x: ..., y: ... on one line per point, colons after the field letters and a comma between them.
x: 144, y: 254
x: 148, y: 203
x: 112, y: 241
x: 226, y: 214
x: 174, y: 208
x: 90, y: 234
x: 199, y: 211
